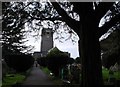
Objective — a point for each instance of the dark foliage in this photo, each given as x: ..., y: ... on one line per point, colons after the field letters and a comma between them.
x: 19, y: 62
x: 13, y: 34
x: 70, y: 60
x: 111, y: 49
x: 42, y: 61
x: 78, y: 60
x: 110, y: 59
x: 56, y: 60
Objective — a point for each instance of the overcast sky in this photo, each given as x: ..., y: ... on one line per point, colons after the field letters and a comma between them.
x: 66, y: 46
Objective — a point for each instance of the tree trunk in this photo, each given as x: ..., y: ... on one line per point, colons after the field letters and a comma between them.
x: 89, y: 42
x: 89, y: 47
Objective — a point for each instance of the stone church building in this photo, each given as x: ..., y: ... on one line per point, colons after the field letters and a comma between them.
x: 46, y: 43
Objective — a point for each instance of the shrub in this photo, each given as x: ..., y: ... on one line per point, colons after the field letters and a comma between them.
x: 42, y: 61
x: 56, y: 59
x: 19, y: 62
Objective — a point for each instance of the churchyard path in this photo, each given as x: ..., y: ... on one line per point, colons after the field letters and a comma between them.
x: 37, y: 77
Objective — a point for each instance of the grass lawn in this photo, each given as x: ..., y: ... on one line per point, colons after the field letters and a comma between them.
x: 45, y: 70
x: 11, y: 79
x: 117, y: 75
x: 106, y: 75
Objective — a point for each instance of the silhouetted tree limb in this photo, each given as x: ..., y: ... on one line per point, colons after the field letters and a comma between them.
x: 69, y: 21
x: 102, y: 8
x: 102, y: 30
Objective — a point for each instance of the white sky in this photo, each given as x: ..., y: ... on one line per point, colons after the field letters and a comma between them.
x: 67, y: 46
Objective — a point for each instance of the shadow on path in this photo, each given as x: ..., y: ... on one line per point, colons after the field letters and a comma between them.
x: 37, y: 77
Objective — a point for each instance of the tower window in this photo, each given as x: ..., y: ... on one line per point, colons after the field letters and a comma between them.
x: 47, y: 32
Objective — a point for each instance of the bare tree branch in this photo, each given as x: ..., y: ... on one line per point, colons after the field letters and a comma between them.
x: 102, y: 8
x: 102, y: 30
x: 69, y: 21
x: 82, y: 7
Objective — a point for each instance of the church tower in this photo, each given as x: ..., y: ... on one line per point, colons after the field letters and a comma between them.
x: 46, y: 41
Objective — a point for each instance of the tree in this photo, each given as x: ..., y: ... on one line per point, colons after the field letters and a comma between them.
x: 19, y: 62
x: 12, y: 35
x: 87, y: 28
x: 89, y: 32
x: 57, y: 60
x: 42, y: 61
x: 78, y: 60
x: 71, y: 61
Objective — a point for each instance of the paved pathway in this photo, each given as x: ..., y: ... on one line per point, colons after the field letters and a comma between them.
x: 37, y: 77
